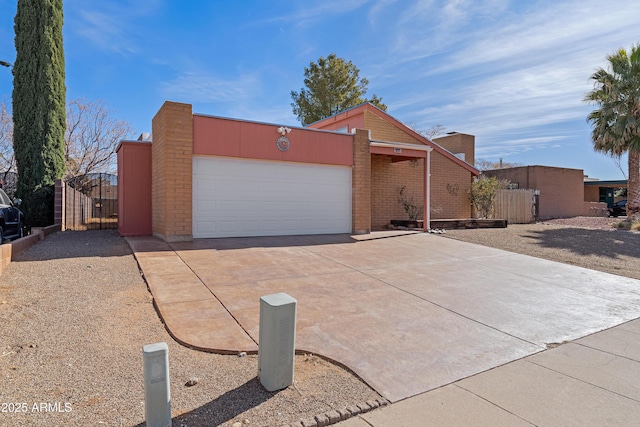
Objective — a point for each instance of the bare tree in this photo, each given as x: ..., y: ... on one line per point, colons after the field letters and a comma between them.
x: 430, y: 133
x: 616, y: 161
x: 485, y: 165
x: 7, y: 158
x: 91, y: 138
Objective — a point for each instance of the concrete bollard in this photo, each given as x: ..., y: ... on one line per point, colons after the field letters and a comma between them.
x: 277, y: 341
x: 157, y: 396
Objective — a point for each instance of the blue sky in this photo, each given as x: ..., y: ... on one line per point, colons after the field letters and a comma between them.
x: 512, y: 73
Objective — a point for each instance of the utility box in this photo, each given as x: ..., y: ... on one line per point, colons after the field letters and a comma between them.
x: 277, y: 341
x: 157, y: 396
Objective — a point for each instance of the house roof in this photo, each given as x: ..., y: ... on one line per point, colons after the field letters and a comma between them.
x: 609, y: 183
x: 360, y: 110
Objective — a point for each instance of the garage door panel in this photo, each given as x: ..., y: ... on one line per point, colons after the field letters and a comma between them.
x: 237, y: 197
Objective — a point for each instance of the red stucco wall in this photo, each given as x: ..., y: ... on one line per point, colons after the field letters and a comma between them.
x: 250, y: 140
x: 134, y: 188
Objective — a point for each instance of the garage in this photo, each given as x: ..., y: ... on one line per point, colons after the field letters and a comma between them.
x: 234, y: 197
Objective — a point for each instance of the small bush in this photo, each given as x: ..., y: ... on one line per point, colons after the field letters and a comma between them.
x: 409, y: 204
x: 482, y: 194
x: 628, y: 224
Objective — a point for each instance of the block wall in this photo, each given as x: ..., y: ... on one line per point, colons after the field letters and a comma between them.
x: 561, y: 189
x: 591, y: 193
x: 171, y: 189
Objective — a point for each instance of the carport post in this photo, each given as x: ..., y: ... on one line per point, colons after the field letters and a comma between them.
x: 277, y: 341
x: 157, y: 396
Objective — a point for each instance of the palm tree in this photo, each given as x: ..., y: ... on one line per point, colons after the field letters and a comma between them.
x: 616, y: 121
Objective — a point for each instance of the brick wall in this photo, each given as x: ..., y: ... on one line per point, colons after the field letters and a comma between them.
x: 171, y: 189
x: 385, y: 131
x: 387, y: 179
x: 361, y: 184
x: 449, y: 185
x: 459, y: 143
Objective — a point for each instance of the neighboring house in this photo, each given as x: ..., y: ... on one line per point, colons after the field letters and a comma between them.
x: 603, y: 191
x: 205, y: 176
x: 562, y: 190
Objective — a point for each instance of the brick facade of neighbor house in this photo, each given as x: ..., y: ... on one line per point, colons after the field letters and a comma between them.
x: 561, y: 189
x: 172, y: 152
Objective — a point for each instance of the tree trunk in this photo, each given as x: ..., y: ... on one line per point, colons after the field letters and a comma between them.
x: 633, y: 191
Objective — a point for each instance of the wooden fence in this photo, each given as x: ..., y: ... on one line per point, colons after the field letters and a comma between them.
x: 516, y: 206
x: 77, y: 211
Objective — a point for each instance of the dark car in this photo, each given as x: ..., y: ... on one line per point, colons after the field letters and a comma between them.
x: 11, y: 218
x: 618, y: 208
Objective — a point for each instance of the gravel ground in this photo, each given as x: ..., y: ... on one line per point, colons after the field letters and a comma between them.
x: 588, y: 242
x: 75, y: 314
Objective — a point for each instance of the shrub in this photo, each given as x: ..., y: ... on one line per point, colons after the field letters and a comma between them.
x: 482, y: 195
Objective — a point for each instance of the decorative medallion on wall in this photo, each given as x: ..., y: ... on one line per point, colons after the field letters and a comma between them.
x: 283, y: 142
x: 453, y: 189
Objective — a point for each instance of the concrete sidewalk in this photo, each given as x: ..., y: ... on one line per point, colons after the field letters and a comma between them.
x: 593, y: 381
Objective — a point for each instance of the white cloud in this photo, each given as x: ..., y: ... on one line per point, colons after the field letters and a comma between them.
x: 316, y: 12
x: 106, y: 32
x: 506, y: 75
x: 518, y: 145
x: 110, y: 26
x: 207, y: 87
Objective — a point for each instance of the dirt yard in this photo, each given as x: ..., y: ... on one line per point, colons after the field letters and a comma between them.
x: 583, y: 241
x: 75, y: 313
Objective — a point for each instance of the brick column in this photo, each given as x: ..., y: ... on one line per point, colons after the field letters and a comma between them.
x: 171, y: 172
x: 361, y: 183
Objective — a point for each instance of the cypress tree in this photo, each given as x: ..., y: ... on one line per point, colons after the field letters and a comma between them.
x: 39, y: 96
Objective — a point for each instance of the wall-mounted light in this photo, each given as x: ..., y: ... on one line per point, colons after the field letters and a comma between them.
x: 282, y: 130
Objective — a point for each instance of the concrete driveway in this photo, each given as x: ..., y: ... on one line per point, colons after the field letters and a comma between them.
x: 407, y: 313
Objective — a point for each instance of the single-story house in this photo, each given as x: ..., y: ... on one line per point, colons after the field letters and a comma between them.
x: 603, y: 191
x: 205, y: 176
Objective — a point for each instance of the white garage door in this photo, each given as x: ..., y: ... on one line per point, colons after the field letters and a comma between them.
x: 238, y: 197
